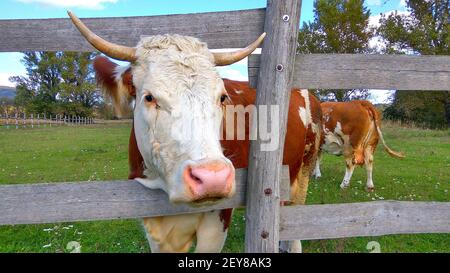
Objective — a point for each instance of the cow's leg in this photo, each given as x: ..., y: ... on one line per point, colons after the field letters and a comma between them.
x: 211, y: 232
x: 294, y: 246
x: 303, y: 183
x: 368, y: 160
x: 299, y: 190
x: 296, y: 195
x: 317, y: 174
x: 171, y: 233
x: 350, y: 167
x: 299, y: 187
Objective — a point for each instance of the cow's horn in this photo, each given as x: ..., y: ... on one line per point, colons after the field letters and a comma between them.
x: 115, y: 51
x: 227, y: 58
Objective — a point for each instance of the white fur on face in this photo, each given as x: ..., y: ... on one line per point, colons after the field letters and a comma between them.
x: 183, y: 127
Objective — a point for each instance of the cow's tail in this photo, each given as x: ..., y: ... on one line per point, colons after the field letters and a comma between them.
x: 386, y: 148
x: 377, y: 122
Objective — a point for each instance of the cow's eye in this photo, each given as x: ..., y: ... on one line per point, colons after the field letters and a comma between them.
x: 149, y: 98
x: 223, y: 98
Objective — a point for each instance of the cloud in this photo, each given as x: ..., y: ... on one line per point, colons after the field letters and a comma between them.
x: 374, y: 20
x: 232, y: 74
x: 4, y: 79
x: 374, y: 2
x: 377, y: 42
x: 402, y: 4
x: 380, y: 96
x: 86, y: 4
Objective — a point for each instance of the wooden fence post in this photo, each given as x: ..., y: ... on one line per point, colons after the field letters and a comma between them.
x: 274, y: 85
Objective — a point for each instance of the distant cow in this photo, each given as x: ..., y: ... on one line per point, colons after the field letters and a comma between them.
x: 352, y: 129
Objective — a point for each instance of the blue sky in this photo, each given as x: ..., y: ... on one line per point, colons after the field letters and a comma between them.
x: 26, y: 9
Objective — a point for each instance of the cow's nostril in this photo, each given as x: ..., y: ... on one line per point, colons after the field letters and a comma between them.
x: 195, y: 178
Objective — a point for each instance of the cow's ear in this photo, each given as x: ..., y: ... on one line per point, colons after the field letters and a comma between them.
x: 116, y: 83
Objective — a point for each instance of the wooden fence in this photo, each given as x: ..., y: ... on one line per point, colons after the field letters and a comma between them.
x: 23, y: 120
x: 352, y: 71
x: 279, y: 69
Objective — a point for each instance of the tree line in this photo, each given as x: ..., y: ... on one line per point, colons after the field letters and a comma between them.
x: 342, y: 26
x: 63, y: 82
x: 59, y: 83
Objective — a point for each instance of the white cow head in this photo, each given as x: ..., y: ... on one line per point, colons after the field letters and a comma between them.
x: 178, y: 97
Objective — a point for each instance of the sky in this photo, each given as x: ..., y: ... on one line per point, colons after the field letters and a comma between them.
x: 10, y: 63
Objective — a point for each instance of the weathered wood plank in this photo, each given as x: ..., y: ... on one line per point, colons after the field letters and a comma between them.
x: 263, y: 199
x: 231, y: 29
x: 83, y: 201
x: 363, y: 219
x: 352, y: 71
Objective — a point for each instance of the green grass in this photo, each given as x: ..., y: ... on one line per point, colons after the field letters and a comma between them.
x: 100, y: 153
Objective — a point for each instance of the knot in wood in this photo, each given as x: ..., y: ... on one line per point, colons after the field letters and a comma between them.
x: 279, y: 67
x: 286, y: 18
x: 268, y: 191
x: 264, y: 234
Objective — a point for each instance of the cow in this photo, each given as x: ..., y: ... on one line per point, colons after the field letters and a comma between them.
x: 352, y: 129
x: 175, y: 87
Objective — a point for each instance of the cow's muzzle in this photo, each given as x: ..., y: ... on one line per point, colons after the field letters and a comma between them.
x: 209, y: 181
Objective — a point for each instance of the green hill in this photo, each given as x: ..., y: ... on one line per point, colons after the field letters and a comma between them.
x: 7, y: 92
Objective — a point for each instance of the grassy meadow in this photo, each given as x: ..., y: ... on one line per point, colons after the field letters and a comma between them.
x: 99, y: 152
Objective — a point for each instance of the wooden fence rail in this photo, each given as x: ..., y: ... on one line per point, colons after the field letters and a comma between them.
x: 231, y: 29
x: 353, y: 71
x: 106, y: 200
x: 373, y: 218
x: 83, y: 201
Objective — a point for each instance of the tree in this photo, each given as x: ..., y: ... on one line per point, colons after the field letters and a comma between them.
x: 339, y: 26
x: 38, y: 91
x: 57, y: 83
x: 78, y: 89
x: 424, y: 30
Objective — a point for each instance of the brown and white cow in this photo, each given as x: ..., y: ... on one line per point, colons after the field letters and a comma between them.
x: 175, y: 143
x: 352, y: 129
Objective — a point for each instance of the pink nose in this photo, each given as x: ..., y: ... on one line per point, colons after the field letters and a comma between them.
x: 209, y: 180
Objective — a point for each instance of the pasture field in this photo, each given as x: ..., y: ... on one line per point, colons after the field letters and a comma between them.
x: 99, y: 152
